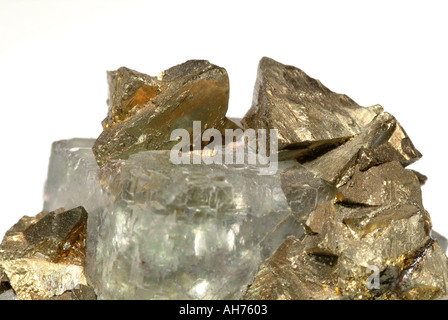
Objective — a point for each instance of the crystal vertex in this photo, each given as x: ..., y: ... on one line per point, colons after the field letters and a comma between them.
x: 287, y: 99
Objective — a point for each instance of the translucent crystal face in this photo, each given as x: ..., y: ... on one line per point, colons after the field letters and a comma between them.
x: 71, y: 174
x: 163, y: 231
x: 176, y: 231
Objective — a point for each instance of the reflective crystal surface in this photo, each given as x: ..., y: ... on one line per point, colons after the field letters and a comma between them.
x: 292, y: 274
x: 378, y: 223
x: 380, y: 141
x: 44, y: 256
x: 72, y: 166
x: 307, y: 114
x: 143, y: 111
x: 8, y: 295
x: 380, y: 185
x: 73, y: 180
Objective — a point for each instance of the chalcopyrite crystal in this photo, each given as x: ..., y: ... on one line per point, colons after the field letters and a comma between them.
x: 308, y: 116
x: 341, y: 217
x: 144, y: 110
x: 378, y: 221
x: 382, y: 140
x: 43, y: 257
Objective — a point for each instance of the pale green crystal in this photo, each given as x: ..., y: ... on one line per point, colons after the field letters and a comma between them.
x: 180, y: 231
x: 71, y: 171
x: 73, y: 180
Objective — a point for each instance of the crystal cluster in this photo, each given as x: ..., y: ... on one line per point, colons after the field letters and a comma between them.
x: 341, y: 218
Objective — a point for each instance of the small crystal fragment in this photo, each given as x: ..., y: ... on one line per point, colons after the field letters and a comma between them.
x: 443, y: 242
x: 292, y: 274
x: 44, y: 256
x: 8, y: 295
x: 421, y: 177
x: 380, y: 185
x: 193, y: 91
x: 377, y: 143
x: 396, y: 146
x: 129, y: 90
x: 39, y: 279
x: 82, y: 292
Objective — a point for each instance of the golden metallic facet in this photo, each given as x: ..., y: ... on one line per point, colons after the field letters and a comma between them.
x: 371, y: 147
x: 44, y: 256
x: 144, y: 110
x: 305, y: 112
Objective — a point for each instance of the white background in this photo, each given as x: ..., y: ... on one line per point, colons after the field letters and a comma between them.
x: 54, y: 54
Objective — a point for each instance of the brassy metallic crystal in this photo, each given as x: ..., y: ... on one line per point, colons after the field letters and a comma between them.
x: 341, y: 204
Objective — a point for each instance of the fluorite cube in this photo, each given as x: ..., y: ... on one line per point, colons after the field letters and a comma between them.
x: 157, y: 230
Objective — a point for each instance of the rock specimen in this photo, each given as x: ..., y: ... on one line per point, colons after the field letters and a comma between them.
x: 381, y: 185
x: 144, y: 110
x: 344, y: 221
x: 377, y: 223
x: 43, y: 257
x: 292, y: 274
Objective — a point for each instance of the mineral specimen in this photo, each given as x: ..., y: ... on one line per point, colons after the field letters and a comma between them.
x: 143, y: 110
x: 292, y: 274
x: 441, y: 240
x: 377, y: 222
x: 72, y: 166
x: 44, y: 256
x: 8, y: 295
x: 341, y: 218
